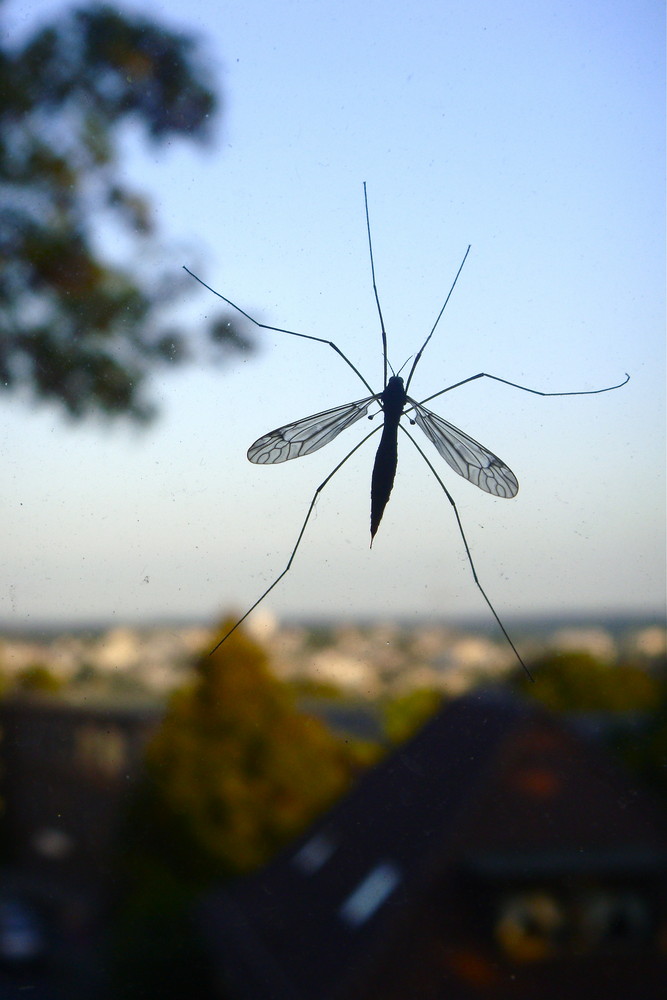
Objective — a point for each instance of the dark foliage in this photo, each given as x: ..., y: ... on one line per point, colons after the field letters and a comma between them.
x: 76, y: 329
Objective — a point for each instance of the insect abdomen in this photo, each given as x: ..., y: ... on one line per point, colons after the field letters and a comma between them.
x: 382, y: 481
x: 386, y: 458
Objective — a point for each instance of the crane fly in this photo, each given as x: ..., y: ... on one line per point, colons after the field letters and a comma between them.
x: 467, y: 457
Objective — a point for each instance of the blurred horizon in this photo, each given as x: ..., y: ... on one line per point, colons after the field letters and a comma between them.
x: 610, y: 619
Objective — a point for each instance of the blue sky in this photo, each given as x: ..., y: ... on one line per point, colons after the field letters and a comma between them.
x: 534, y: 132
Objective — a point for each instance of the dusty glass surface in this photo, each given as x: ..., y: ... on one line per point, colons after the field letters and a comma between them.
x: 499, y: 845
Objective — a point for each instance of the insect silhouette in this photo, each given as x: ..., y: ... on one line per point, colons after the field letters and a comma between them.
x: 463, y: 454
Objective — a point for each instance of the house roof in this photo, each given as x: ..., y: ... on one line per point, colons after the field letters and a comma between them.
x: 313, y: 920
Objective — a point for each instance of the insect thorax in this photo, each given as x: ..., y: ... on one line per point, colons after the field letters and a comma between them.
x: 393, y: 398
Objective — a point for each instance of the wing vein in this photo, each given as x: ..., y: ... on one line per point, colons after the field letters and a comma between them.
x: 465, y: 456
x: 304, y: 436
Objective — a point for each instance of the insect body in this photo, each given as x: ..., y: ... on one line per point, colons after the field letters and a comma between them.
x: 465, y: 455
x: 462, y: 453
x: 393, y: 398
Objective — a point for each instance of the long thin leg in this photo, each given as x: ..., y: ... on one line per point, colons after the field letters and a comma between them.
x: 515, y: 385
x: 423, y: 347
x: 279, y: 329
x: 377, y: 298
x: 468, y: 552
x: 298, y: 541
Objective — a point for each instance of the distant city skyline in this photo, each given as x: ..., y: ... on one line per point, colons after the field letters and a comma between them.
x: 366, y: 661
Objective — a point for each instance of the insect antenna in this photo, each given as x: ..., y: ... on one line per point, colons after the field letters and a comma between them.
x: 444, y: 306
x: 375, y: 290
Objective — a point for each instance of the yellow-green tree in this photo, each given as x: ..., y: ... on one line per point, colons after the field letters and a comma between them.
x: 238, y: 759
x: 38, y: 679
x: 235, y: 770
x: 406, y: 713
x: 571, y: 681
x: 232, y: 774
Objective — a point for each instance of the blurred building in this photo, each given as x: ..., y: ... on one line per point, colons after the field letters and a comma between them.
x: 66, y: 772
x: 497, y: 854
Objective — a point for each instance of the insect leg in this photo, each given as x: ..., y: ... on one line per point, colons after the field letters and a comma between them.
x: 298, y: 541
x: 515, y: 385
x: 279, y: 329
x: 468, y: 552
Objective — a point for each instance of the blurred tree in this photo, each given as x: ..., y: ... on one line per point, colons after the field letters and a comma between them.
x: 38, y: 679
x: 235, y: 769
x: 406, y: 713
x: 75, y: 328
x: 232, y: 774
x: 579, y: 682
x: 631, y: 698
x: 646, y: 752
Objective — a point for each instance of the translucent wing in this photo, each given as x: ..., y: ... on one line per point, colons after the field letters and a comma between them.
x: 306, y: 435
x: 466, y: 456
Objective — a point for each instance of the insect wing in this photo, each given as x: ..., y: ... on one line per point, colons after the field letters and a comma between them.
x: 306, y: 435
x: 466, y: 456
